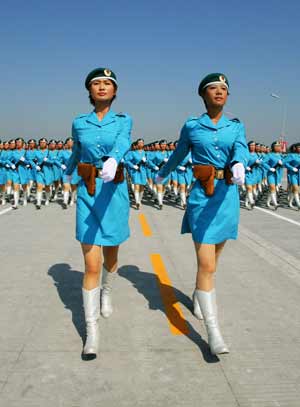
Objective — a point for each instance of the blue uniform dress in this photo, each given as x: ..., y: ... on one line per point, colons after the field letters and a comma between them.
x: 293, y: 161
x: 138, y: 177
x: 3, y: 177
x: 272, y: 160
x: 251, y: 175
x: 101, y: 219
x: 20, y: 174
x: 214, y: 219
x: 43, y: 176
x: 158, y: 159
x: 184, y: 175
x: 31, y: 171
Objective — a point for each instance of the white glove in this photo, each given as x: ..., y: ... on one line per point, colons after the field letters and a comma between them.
x: 22, y: 159
x: 272, y: 169
x: 238, y: 172
x: 144, y: 159
x: 248, y: 168
x: 190, y: 161
x: 13, y: 166
x: 63, y: 166
x: 136, y: 167
x: 166, y: 160
x: 28, y: 166
x: 258, y: 161
x: 109, y: 170
x: 38, y: 168
x: 295, y: 169
x: 279, y: 162
x: 181, y: 168
x: 156, y: 168
x: 158, y: 179
x: 7, y: 165
x: 45, y: 159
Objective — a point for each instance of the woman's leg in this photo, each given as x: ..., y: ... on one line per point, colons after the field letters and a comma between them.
x: 205, y: 293
x: 39, y: 193
x: 109, y: 272
x: 66, y: 194
x: 137, y: 195
x: 91, y: 297
x: 16, y: 195
x: 182, y: 188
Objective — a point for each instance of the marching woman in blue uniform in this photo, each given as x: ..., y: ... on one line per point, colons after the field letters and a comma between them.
x: 219, y: 154
x: 136, y: 161
x: 251, y: 175
x: 30, y: 153
x: 292, y: 163
x: 20, y: 166
x: 158, y: 159
x: 43, y: 170
x: 273, y: 163
x: 2, y: 174
x: 101, y: 139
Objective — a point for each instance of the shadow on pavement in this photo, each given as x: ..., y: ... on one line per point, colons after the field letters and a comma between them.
x: 148, y: 284
x: 68, y: 283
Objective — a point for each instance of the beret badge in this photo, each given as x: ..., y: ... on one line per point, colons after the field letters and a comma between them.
x: 107, y: 72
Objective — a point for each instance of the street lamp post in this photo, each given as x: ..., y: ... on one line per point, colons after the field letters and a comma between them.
x: 284, y: 113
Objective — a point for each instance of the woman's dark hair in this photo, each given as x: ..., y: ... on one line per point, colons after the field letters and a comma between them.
x: 92, y: 102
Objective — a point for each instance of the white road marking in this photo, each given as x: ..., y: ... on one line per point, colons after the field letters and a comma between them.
x: 5, y: 211
x: 294, y: 222
x: 278, y: 216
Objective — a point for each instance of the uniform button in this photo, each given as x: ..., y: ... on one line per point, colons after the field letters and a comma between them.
x: 215, y: 139
x: 218, y: 155
x: 98, y: 145
x: 217, y: 148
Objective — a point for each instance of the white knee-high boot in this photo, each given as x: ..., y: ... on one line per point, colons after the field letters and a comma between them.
x: 106, y: 294
x: 73, y: 198
x: 66, y: 198
x: 297, y: 200
x: 16, y: 199
x: 39, y: 198
x: 160, y: 199
x: 183, y: 198
x: 208, y: 305
x: 197, y: 309
x: 274, y: 199
x: 91, y: 305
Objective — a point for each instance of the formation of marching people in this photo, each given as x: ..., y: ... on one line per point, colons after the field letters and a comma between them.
x: 35, y: 171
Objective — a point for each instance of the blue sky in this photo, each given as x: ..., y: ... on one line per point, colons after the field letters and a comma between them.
x: 160, y: 50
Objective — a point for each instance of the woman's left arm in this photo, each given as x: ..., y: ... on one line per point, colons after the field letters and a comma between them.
x: 240, y: 149
x: 123, y: 140
x: 75, y: 157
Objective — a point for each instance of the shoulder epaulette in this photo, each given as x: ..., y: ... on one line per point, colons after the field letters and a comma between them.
x: 191, y: 118
x: 80, y: 116
x: 235, y: 119
x: 121, y: 114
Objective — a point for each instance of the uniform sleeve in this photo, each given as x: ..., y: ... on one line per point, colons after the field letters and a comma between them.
x: 287, y: 163
x: 75, y: 156
x: 266, y: 163
x: 123, y: 140
x: 179, y: 153
x: 240, y: 148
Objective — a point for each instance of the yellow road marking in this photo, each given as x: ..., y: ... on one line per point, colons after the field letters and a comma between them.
x: 145, y: 225
x: 177, y: 323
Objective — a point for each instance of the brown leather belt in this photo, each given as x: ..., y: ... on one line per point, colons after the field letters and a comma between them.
x: 206, y: 175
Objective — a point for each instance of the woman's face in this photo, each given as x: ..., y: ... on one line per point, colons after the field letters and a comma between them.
x: 140, y: 145
x: 43, y: 145
x: 31, y: 145
x: 252, y: 148
x: 102, y: 90
x: 19, y: 144
x: 215, y: 95
x: 12, y: 145
x: 277, y: 149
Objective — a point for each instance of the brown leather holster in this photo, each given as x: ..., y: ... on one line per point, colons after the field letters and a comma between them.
x: 206, y: 174
x: 89, y: 172
x: 119, y: 177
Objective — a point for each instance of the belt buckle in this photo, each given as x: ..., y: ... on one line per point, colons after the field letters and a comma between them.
x: 99, y: 173
x: 219, y: 174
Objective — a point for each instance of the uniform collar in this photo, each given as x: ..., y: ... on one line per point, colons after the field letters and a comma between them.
x: 206, y: 121
x: 108, y: 118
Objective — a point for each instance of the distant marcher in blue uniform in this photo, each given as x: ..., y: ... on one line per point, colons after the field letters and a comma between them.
x: 101, y: 139
x: 20, y: 166
x: 219, y: 154
x: 292, y: 163
x: 273, y: 163
x: 136, y: 161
